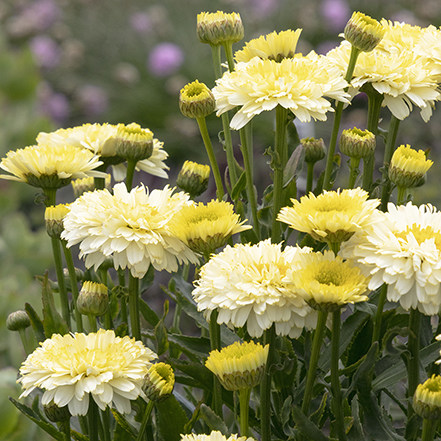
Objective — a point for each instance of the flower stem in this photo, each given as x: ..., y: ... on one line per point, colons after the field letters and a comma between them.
x: 106, y: 424
x: 279, y: 162
x: 335, y: 380
x: 123, y: 300
x: 247, y: 153
x: 131, y: 164
x: 74, y: 285
x: 211, y: 156
x: 269, y: 337
x: 108, y: 315
x: 228, y: 47
x: 429, y: 429
x: 66, y: 429
x: 413, y: 368
x: 134, y: 307
x: 315, y: 354
x: 354, y: 171
x: 309, y: 177
x: 145, y: 420
x: 337, y: 118
x: 379, y: 314
x: 401, y: 195
x: 92, y: 323
x: 24, y: 339
x: 215, y: 344
x: 244, y: 399
x: 216, y: 55
x: 93, y: 419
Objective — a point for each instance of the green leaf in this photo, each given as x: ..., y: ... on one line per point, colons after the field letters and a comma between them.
x: 213, y: 421
x: 290, y: 171
x: 78, y: 436
x: 162, y: 343
x: 240, y: 186
x: 36, y: 323
x: 149, y: 315
x: 286, y: 411
x: 124, y: 430
x: 356, y: 433
x: 196, y: 371
x: 147, y: 280
x: 171, y: 419
x: 306, y: 427
x: 199, y: 346
x: 317, y: 416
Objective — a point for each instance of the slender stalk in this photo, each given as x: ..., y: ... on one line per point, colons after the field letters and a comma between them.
x: 93, y: 419
x: 66, y: 429
x: 215, y: 344
x: 131, y: 164
x: 228, y: 47
x: 123, y: 300
x: 134, y: 307
x: 335, y: 380
x: 24, y: 340
x: 413, y: 368
x: 244, y: 400
x: 106, y: 424
x: 337, y: 118
x: 310, y: 177
x: 401, y: 195
x: 279, y: 160
x: 248, y: 163
x: 92, y: 323
x: 379, y: 314
x: 211, y: 156
x: 217, y: 63
x: 145, y: 420
x: 429, y: 429
x: 100, y: 183
x: 108, y: 315
x: 269, y: 337
x: 74, y: 285
x: 315, y: 354
x: 354, y: 171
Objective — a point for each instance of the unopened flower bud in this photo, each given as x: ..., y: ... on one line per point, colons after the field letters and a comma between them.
x: 80, y: 186
x: 159, y: 382
x: 219, y: 27
x: 18, y: 320
x: 133, y: 142
x: 53, y: 217
x: 363, y: 32
x: 427, y: 398
x: 93, y: 299
x: 408, y: 167
x: 314, y: 149
x: 196, y: 100
x: 357, y: 143
x: 193, y: 178
x: 55, y: 413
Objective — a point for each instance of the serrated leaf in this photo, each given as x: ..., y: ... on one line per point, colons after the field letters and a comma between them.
x: 78, y: 436
x: 196, y: 371
x: 306, y: 427
x: 318, y: 414
x: 356, y: 433
x: 213, y: 421
x: 123, y: 424
x: 171, y: 419
x: 199, y: 346
x: 36, y: 323
x: 286, y: 411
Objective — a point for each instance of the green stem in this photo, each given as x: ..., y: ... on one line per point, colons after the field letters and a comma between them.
x: 217, y: 63
x: 413, y: 368
x: 93, y: 419
x: 106, y: 424
x: 66, y: 429
x: 315, y: 354
x: 215, y: 344
x: 74, y: 285
x: 92, y: 323
x: 279, y: 163
x: 145, y: 420
x: 354, y: 171
x: 429, y: 429
x: 244, y: 400
x: 134, y: 307
x: 337, y: 119
x: 131, y: 165
x: 401, y: 195
x: 60, y: 277
x: 108, y: 315
x: 24, y: 339
x: 248, y: 163
x: 310, y: 177
x: 379, y: 314
x: 211, y: 156
x: 335, y: 380
x: 100, y: 183
x: 123, y: 300
x: 228, y: 47
x: 269, y: 337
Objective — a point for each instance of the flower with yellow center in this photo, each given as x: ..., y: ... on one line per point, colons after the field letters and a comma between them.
x: 274, y: 46
x: 326, y: 282
x: 240, y: 365
x: 47, y: 166
x: 427, y: 398
x: 196, y: 100
x: 333, y: 216
x: 204, y: 228
x: 69, y: 368
x: 214, y: 436
x: 300, y: 84
x: 131, y: 227
x: 159, y: 382
x: 219, y: 27
x: 245, y: 284
x: 193, y: 178
x: 363, y: 32
x: 53, y: 217
x: 408, y: 166
x: 403, y: 250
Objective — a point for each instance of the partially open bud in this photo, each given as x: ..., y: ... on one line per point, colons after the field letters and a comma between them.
x: 93, y: 299
x: 159, y: 382
x: 53, y: 217
x: 18, y: 320
x: 427, y: 398
x: 196, y: 100
x: 219, y: 27
x: 357, y: 143
x: 408, y: 167
x: 193, y: 178
x: 55, y: 413
x: 315, y: 149
x: 133, y: 142
x: 240, y: 365
x: 363, y: 32
x: 80, y: 186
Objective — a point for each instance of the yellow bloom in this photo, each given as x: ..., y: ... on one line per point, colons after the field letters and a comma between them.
x: 274, y: 46
x: 245, y: 283
x: 219, y: 27
x: 408, y: 166
x: 159, y: 382
x: 214, y: 436
x: 333, y: 216
x: 326, y: 282
x: 48, y: 166
x: 427, y: 398
x: 240, y: 365
x: 363, y: 32
x: 131, y: 227
x: 53, y: 217
x: 300, y: 84
x: 193, y: 178
x: 204, y: 228
x: 71, y: 367
x: 196, y: 100
x: 399, y: 36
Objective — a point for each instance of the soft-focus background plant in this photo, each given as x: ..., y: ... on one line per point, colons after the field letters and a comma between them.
x: 68, y: 62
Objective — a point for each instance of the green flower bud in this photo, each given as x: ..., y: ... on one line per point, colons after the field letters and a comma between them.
x: 196, y: 100
x: 80, y: 186
x: 427, y: 398
x: 219, y: 27
x: 357, y: 143
x: 55, y: 413
x: 363, y: 32
x: 159, y: 382
x: 93, y: 299
x: 133, y: 142
x: 315, y: 149
x: 53, y: 217
x: 193, y: 178
x: 18, y: 320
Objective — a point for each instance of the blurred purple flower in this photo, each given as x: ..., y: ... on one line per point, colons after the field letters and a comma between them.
x: 54, y: 105
x: 46, y: 51
x: 42, y: 14
x: 325, y: 46
x: 165, y: 59
x: 263, y: 8
x: 141, y: 23
x: 93, y: 100
x: 336, y: 14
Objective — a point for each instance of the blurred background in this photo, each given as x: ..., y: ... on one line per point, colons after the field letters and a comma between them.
x: 68, y: 62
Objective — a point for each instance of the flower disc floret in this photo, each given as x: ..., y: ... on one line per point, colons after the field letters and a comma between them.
x: 274, y: 46
x: 245, y: 283
x: 333, y: 216
x: 131, y: 227
x: 300, y: 84
x: 402, y: 250
x: 214, y: 436
x: 71, y: 367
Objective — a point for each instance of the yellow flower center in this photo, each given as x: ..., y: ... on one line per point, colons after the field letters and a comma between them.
x: 421, y: 234
x: 195, y: 91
